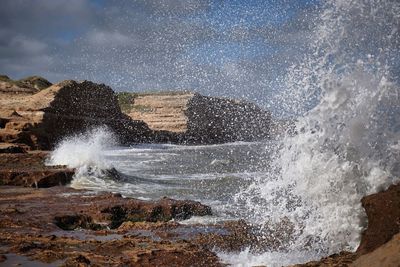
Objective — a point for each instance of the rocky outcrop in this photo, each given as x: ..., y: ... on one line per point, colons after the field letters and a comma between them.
x: 77, y: 228
x: 197, y: 119
x: 28, y: 169
x: 383, y: 211
x: 40, y: 119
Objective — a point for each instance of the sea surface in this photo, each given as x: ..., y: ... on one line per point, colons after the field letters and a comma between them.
x: 211, y: 174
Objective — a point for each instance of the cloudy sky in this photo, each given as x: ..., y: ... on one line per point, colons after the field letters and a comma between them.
x: 236, y: 48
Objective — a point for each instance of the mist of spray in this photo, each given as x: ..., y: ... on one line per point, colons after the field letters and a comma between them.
x: 347, y: 143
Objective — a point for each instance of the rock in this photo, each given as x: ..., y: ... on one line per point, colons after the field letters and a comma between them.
x: 342, y: 259
x: 3, y: 258
x: 164, y: 210
x: 38, y: 179
x: 161, y: 111
x: 41, y: 119
x: 78, y: 261
x: 28, y: 169
x: 383, y: 211
x: 198, y: 119
x: 242, y: 235
x: 387, y: 255
x: 12, y: 148
x: 68, y: 209
x: 42, y: 216
x: 71, y: 222
x: 380, y: 242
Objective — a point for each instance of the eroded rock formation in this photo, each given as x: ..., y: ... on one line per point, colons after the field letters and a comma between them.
x: 197, y: 119
x: 38, y: 119
x: 69, y: 227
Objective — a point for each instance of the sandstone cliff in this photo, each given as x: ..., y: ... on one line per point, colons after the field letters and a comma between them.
x: 197, y: 119
x: 38, y: 119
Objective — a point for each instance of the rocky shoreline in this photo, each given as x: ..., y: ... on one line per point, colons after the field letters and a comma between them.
x: 48, y: 223
x: 43, y: 222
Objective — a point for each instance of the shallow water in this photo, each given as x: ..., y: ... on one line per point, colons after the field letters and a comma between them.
x: 211, y: 174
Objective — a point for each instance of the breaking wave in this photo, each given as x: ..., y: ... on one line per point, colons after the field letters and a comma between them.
x: 347, y: 145
x: 85, y: 153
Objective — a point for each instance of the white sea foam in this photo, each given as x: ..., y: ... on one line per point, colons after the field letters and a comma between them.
x: 346, y: 146
x: 85, y: 153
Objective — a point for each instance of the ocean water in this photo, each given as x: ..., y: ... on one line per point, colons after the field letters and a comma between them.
x: 345, y: 98
x: 212, y: 174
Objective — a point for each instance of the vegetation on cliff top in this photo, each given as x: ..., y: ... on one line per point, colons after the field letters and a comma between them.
x: 37, y: 82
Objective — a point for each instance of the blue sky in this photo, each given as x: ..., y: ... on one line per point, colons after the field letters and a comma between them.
x: 236, y: 48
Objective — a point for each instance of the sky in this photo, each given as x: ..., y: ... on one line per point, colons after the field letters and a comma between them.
x: 235, y: 48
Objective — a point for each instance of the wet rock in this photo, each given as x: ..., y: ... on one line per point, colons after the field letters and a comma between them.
x: 78, y: 261
x: 242, y: 235
x: 380, y: 242
x: 383, y: 211
x: 341, y: 259
x: 11, y: 148
x: 3, y: 258
x: 38, y: 179
x: 162, y: 210
x: 44, y: 211
x: 71, y: 222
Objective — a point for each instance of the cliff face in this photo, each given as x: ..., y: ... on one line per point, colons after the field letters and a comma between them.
x: 40, y: 119
x: 162, y: 112
x: 197, y: 119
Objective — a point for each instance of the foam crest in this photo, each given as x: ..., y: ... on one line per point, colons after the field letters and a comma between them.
x: 85, y: 152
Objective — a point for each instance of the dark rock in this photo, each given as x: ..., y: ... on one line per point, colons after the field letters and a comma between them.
x: 219, y: 120
x: 3, y: 258
x: 40, y: 239
x: 79, y: 261
x: 185, y: 117
x: 71, y: 222
x: 39, y: 179
x: 11, y: 148
x: 162, y: 210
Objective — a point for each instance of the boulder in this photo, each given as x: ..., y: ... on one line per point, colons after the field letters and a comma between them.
x: 196, y: 119
x: 383, y: 211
